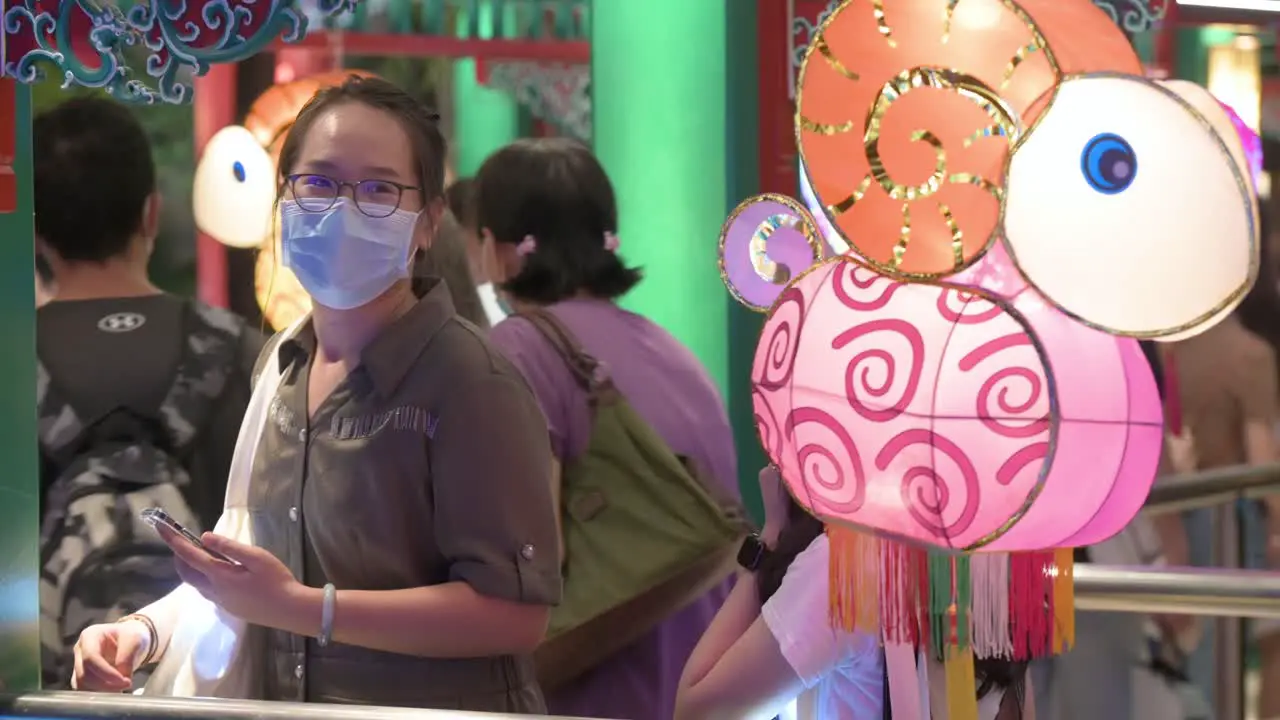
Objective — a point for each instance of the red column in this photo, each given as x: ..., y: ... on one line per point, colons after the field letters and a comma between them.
x: 1167, y: 40
x: 8, y: 145
x: 777, y: 111
x: 214, y: 108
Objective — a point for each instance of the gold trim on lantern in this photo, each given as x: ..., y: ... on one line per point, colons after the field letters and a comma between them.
x: 1005, y: 122
x: 766, y: 268
x: 1246, y: 196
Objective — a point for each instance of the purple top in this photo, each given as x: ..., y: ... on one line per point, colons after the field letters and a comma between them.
x: 668, y: 387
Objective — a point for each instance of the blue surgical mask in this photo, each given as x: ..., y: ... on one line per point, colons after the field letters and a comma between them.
x: 342, y: 257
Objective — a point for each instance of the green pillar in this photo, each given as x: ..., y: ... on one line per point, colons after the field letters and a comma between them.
x: 19, y: 483
x: 743, y: 161
x: 484, y: 119
x: 658, y: 92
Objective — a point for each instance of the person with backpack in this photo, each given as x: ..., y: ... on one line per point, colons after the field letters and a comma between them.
x: 140, y: 393
x: 647, y: 471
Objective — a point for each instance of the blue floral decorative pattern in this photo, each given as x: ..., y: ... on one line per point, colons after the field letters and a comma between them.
x: 83, y: 41
x: 1134, y: 16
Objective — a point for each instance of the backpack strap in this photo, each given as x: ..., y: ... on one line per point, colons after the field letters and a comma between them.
x: 211, y: 340
x: 584, y: 367
x: 60, y: 427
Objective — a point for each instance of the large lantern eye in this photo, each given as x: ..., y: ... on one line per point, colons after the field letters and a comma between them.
x: 1126, y: 209
x: 234, y: 189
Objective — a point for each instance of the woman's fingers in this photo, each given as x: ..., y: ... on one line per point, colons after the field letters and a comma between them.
x: 95, y: 672
x: 182, y: 547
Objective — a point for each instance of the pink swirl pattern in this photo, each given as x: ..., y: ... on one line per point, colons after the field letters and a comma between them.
x: 951, y: 416
x: 929, y: 502
x: 1001, y: 383
x: 834, y: 469
x: 861, y: 389
x: 859, y: 288
x: 773, y: 368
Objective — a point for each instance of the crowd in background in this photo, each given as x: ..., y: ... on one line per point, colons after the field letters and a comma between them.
x: 429, y: 297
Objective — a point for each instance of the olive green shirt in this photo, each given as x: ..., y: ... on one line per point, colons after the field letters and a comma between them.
x: 429, y: 463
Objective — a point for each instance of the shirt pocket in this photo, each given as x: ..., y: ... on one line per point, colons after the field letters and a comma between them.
x: 366, y: 506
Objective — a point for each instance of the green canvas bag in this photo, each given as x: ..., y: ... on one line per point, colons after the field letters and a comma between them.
x: 645, y: 532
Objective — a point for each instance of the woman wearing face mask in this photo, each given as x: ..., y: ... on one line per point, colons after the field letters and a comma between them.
x: 395, y: 562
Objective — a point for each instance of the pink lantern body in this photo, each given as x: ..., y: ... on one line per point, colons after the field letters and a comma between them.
x: 936, y: 413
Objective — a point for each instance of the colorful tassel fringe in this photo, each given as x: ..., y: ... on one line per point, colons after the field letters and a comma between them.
x: 1018, y: 606
x: 1064, y: 601
x: 855, y: 580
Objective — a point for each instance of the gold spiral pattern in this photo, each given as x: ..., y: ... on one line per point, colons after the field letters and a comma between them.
x: 765, y: 267
x: 857, y: 45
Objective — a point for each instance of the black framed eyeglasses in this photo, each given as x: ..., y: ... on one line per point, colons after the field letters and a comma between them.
x: 375, y: 198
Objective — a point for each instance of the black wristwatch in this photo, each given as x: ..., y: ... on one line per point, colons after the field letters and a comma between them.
x: 752, y: 553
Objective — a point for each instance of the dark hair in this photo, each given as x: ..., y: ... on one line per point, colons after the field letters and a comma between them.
x: 992, y: 674
x: 447, y: 259
x: 555, y: 190
x: 93, y: 173
x: 461, y: 196
x: 420, y: 123
x: 1259, y: 310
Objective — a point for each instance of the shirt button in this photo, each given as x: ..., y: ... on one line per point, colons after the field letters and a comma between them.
x: 527, y: 552
x: 293, y: 514
x: 297, y: 671
x: 302, y: 435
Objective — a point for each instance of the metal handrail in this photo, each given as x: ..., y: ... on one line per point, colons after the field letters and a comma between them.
x: 102, y: 706
x: 1182, y: 591
x: 1208, y: 488
x: 1191, y: 591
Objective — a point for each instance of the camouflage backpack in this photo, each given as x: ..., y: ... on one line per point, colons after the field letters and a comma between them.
x: 98, y: 560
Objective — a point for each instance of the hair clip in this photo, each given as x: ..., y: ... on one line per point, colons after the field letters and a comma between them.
x: 611, y: 242
x: 527, y: 246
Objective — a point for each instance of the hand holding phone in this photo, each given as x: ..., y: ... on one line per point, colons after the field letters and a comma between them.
x: 157, y: 518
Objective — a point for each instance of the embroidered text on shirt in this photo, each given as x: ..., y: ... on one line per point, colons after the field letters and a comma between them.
x: 406, y: 417
x: 282, y: 417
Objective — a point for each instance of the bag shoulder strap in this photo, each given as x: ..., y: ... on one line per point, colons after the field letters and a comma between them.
x: 584, y: 367
x: 255, y: 419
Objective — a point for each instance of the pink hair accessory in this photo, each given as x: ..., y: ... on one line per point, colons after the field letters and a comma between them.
x: 527, y: 246
x: 611, y: 242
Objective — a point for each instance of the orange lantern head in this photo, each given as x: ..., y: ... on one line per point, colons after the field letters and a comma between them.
x: 931, y: 130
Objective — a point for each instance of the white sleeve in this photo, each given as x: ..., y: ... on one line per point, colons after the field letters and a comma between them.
x: 165, y: 614
x: 798, y: 615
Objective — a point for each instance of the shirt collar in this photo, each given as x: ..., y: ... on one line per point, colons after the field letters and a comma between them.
x: 393, y: 351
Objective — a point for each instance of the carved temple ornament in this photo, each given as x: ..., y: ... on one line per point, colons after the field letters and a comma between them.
x: 555, y: 93
x: 84, y: 41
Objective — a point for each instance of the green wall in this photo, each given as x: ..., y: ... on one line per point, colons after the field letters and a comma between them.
x: 19, y: 483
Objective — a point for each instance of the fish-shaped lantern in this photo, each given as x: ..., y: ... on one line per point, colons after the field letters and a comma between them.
x: 997, y: 205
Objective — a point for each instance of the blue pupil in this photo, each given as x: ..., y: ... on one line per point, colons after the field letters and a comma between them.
x: 237, y: 169
x: 1109, y: 164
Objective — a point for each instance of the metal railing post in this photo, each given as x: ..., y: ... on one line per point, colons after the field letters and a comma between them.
x: 1228, y: 645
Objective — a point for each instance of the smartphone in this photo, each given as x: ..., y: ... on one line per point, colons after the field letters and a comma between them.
x: 157, y: 516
